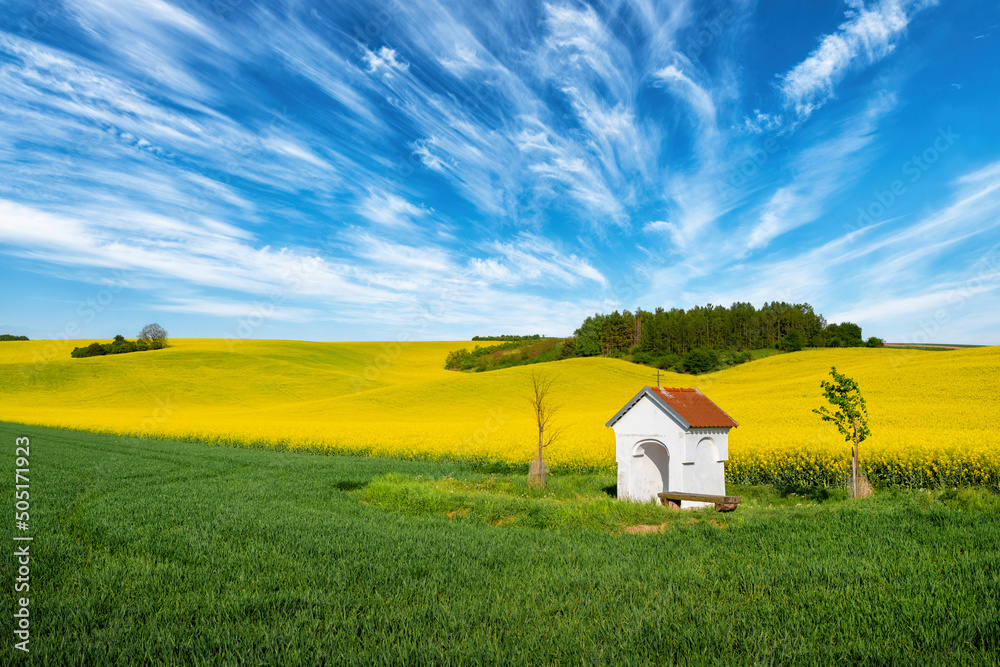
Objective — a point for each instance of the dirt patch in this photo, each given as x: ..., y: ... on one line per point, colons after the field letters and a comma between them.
x: 645, y: 529
x: 505, y: 520
x: 459, y: 513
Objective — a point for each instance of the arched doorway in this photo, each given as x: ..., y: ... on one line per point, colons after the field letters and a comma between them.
x: 649, y: 470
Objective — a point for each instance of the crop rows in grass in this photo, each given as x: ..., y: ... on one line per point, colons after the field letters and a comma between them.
x: 160, y: 552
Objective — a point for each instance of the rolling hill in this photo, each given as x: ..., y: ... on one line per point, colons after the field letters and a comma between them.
x: 929, y: 410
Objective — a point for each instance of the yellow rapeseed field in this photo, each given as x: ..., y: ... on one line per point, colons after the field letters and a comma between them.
x: 934, y: 415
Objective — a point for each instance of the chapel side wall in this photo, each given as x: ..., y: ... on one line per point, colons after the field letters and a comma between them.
x: 706, y: 473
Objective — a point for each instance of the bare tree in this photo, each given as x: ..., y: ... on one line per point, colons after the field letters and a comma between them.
x: 153, y: 332
x: 541, y: 402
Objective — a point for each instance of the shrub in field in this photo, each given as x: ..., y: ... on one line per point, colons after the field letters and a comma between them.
x: 700, y: 361
x: 118, y: 346
x: 793, y: 341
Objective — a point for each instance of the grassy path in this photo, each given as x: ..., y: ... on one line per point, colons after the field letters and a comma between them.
x: 159, y: 552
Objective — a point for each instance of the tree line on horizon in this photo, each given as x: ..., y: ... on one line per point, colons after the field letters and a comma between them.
x: 695, y: 340
x: 740, y: 328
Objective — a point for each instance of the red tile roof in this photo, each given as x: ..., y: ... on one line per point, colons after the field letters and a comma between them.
x: 694, y: 407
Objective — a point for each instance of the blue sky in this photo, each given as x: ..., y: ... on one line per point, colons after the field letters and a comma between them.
x: 436, y: 170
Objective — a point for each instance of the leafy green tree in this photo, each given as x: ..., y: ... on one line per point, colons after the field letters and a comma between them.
x: 793, y: 341
x: 851, y: 417
x: 845, y: 334
x: 700, y: 361
x: 588, y: 336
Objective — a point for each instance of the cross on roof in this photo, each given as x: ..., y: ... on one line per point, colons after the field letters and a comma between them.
x: 657, y: 377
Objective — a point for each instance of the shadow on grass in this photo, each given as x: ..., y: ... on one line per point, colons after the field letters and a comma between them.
x: 611, y: 490
x: 347, y: 485
x: 814, y: 493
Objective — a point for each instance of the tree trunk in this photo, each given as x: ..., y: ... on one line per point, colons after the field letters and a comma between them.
x: 854, y: 462
x: 538, y: 476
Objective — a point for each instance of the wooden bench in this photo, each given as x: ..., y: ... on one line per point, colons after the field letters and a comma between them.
x: 722, y: 503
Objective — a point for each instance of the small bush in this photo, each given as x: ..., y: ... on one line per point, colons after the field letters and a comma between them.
x: 700, y: 361
x: 642, y: 358
x: 793, y: 341
x: 668, y: 361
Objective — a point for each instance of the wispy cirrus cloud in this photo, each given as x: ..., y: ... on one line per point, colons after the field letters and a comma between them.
x: 869, y: 34
x: 521, y: 158
x: 820, y: 171
x: 390, y: 210
x: 533, y: 260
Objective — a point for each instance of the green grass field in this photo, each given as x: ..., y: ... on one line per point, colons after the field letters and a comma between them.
x: 160, y: 552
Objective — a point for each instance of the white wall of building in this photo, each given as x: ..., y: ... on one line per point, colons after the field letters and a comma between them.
x: 656, y: 454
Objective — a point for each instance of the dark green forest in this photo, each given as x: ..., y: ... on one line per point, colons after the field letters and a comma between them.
x: 740, y: 327
x: 696, y: 340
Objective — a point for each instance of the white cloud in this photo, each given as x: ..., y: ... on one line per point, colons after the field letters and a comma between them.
x: 402, y: 258
x: 384, y: 61
x: 869, y: 34
x: 760, y: 122
x: 264, y: 309
x: 531, y: 259
x: 697, y: 97
x: 820, y: 170
x: 389, y: 210
x: 176, y: 251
